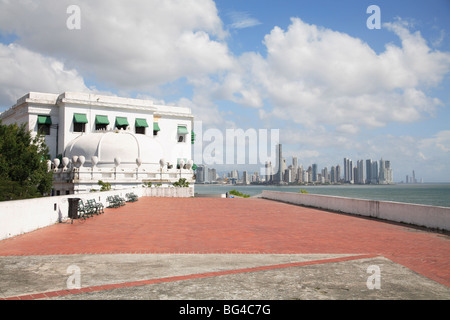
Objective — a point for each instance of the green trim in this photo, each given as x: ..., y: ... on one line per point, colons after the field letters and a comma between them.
x: 44, y: 120
x: 182, y: 130
x: 141, y: 123
x: 156, y: 126
x: 80, y: 118
x: 121, y: 121
x: 101, y: 120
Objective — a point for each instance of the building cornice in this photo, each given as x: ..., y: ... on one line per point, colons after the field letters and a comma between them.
x: 105, y: 101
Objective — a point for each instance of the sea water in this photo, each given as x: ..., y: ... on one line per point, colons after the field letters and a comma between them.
x: 428, y: 194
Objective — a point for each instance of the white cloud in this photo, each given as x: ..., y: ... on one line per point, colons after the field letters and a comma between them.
x: 132, y: 45
x: 440, y: 140
x: 315, y: 76
x: 24, y: 71
x: 242, y: 20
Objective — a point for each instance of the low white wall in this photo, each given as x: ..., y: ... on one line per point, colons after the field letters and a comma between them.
x: 168, y: 192
x: 22, y: 216
x: 414, y: 214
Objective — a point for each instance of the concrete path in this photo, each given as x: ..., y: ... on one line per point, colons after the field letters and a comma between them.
x: 214, y: 248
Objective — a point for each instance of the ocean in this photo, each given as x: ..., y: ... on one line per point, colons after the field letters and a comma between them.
x: 428, y: 194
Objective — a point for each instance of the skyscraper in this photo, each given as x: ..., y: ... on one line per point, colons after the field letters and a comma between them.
x: 294, y: 169
x: 268, y: 177
x: 314, y: 172
x: 382, y: 173
x: 279, y: 165
x: 245, y: 178
x: 360, y: 170
x: 368, y: 171
x: 333, y: 175
x: 374, y: 173
x: 348, y: 170
x: 202, y: 174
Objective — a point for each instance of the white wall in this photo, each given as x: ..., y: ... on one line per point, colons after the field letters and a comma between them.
x: 419, y: 215
x: 22, y: 216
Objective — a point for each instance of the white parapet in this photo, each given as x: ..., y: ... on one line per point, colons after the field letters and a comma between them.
x: 414, y: 214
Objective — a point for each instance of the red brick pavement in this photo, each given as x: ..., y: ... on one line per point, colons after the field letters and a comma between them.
x: 215, y: 225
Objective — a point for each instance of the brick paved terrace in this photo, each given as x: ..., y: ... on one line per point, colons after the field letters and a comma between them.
x: 220, y: 225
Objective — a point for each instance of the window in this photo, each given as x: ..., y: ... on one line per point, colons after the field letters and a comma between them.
x: 101, y: 122
x: 140, y: 126
x: 121, y: 123
x: 182, y: 132
x: 44, y: 123
x: 79, y: 122
x: 156, y: 128
x: 140, y: 130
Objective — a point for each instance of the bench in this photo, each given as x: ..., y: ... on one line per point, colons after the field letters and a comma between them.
x: 120, y: 200
x: 115, y: 201
x: 131, y: 197
x: 96, y: 207
x: 84, y: 211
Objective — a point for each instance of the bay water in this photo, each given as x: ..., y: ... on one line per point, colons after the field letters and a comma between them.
x: 434, y: 194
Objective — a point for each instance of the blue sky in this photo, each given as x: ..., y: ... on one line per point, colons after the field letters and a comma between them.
x: 311, y: 69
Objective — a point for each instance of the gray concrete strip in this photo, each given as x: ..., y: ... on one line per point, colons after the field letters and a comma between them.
x: 337, y: 280
x: 20, y: 275
x: 333, y: 281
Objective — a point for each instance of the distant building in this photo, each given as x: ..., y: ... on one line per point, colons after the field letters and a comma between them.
x: 314, y: 172
x: 245, y: 178
x: 278, y: 175
x: 360, y: 172
x: 201, y: 174
x: 348, y: 170
x: 269, y: 172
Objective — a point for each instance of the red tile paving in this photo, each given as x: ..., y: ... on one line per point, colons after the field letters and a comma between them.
x: 215, y: 225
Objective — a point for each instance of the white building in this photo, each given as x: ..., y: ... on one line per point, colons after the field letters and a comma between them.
x: 122, y: 141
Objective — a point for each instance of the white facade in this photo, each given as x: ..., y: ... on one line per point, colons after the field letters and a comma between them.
x: 122, y: 141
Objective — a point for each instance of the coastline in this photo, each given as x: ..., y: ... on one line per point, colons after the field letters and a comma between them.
x: 433, y: 194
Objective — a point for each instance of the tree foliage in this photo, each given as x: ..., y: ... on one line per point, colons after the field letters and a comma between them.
x: 105, y: 186
x: 23, y: 168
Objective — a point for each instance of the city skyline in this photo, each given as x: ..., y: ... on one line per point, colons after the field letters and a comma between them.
x: 366, y: 171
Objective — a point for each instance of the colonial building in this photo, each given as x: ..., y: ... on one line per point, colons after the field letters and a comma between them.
x: 121, y: 141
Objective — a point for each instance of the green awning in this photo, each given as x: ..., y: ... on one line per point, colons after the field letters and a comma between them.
x: 44, y: 120
x: 156, y: 126
x: 182, y: 130
x: 80, y: 118
x: 101, y: 120
x: 121, y: 121
x: 140, y: 123
x: 192, y: 137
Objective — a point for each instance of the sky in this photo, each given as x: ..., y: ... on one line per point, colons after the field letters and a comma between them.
x: 313, y: 70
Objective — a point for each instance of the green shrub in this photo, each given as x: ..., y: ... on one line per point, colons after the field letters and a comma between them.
x: 238, y: 194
